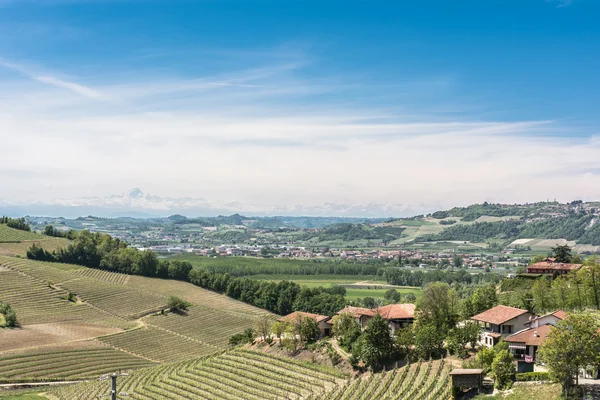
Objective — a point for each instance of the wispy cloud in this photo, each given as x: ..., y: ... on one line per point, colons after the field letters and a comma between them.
x: 50, y: 80
x: 270, y: 136
x: 561, y: 3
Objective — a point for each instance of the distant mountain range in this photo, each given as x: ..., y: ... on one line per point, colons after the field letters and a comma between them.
x: 136, y: 203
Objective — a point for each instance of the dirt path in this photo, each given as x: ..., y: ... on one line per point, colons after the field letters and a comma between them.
x: 336, y: 346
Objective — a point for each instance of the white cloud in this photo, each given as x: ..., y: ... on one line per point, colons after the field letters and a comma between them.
x: 50, y: 80
x: 266, y: 137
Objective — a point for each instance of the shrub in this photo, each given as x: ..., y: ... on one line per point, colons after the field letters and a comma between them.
x: 503, y: 369
x: 177, y: 304
x: 533, y: 376
x: 242, y: 338
x: 8, y: 314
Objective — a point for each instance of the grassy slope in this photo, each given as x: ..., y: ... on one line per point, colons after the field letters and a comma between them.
x: 110, y: 300
x: 527, y: 391
x: 15, y: 235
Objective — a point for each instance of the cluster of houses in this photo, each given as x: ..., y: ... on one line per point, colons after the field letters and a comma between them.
x: 524, y: 331
x: 398, y: 316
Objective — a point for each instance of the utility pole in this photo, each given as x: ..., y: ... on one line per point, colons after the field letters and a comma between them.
x: 113, y: 392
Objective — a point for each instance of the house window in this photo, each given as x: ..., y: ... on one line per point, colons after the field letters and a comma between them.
x: 507, y: 329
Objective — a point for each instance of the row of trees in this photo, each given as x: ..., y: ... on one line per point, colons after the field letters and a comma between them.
x: 282, y: 298
x: 237, y: 267
x: 49, y: 230
x: 8, y: 315
x: 403, y: 277
x: 101, y: 251
x: 18, y: 223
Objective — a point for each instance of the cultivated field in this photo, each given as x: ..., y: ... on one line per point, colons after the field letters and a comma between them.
x: 20, y: 248
x: 67, y: 363
x: 159, y: 345
x: 217, y: 326
x: 11, y: 235
x: 107, y: 323
x: 245, y: 374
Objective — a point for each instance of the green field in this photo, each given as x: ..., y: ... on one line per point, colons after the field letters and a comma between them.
x: 368, y: 286
x: 8, y: 235
x: 353, y: 294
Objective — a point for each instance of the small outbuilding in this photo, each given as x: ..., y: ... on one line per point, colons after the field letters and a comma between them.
x: 467, y: 378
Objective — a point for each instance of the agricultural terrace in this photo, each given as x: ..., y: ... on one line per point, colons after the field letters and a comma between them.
x: 67, y: 364
x: 11, y: 235
x: 106, y: 303
x: 194, y: 295
x: 36, y: 302
x: 421, y: 381
x: 159, y: 345
x: 237, y: 374
x: 20, y: 248
x: 217, y: 325
x: 245, y: 374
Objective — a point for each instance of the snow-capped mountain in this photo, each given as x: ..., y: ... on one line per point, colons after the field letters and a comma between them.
x: 138, y: 203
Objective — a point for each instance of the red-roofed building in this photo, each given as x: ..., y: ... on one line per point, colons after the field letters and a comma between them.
x: 499, y: 322
x: 549, y: 266
x: 551, y: 319
x: 297, y: 316
x: 398, y: 315
x: 525, y: 344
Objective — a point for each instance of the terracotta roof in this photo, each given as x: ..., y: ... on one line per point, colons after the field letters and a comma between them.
x: 554, y: 266
x: 357, y: 312
x: 499, y: 314
x: 299, y: 315
x: 560, y: 314
x: 531, y: 336
x: 495, y: 335
x: 397, y: 311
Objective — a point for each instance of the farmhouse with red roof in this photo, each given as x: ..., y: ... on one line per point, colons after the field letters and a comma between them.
x: 322, y: 320
x: 549, y: 266
x: 499, y: 322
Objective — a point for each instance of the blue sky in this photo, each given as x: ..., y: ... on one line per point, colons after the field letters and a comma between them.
x: 278, y: 103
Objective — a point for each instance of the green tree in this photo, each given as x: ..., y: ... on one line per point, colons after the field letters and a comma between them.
x: 279, y: 328
x: 461, y: 336
x: 378, y: 345
x: 392, y: 296
x: 263, y: 327
x: 561, y: 290
x: 484, y: 298
x: 590, y: 278
x: 429, y: 341
x: 405, y: 341
x: 177, y: 304
x: 457, y: 261
x: 542, y: 295
x: 572, y: 345
x: 346, y: 329
x: 562, y: 254
x: 503, y: 369
x: 308, y: 330
x: 438, y: 306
